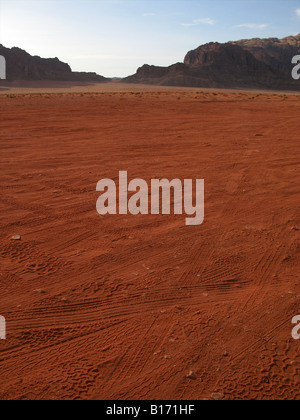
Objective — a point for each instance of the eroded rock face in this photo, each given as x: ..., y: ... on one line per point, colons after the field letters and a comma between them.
x: 22, y: 66
x: 274, y: 52
x: 254, y: 63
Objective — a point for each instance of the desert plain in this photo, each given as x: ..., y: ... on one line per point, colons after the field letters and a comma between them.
x: 144, y: 307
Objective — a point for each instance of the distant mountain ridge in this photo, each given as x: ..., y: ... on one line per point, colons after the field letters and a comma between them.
x: 254, y: 63
x: 22, y: 66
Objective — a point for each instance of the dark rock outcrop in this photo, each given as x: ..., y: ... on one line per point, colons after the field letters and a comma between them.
x: 256, y: 63
x: 22, y: 66
x: 274, y: 52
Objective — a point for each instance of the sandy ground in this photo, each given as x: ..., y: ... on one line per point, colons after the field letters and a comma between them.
x: 125, y: 307
x: 27, y: 87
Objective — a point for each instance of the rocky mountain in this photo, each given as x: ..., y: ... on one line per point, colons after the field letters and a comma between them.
x: 274, y: 52
x: 22, y: 66
x: 255, y: 63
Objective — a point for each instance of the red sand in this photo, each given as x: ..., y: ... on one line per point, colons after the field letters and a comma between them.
x: 132, y: 304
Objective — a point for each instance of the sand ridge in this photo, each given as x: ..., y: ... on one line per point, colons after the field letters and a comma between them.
x: 51, y: 87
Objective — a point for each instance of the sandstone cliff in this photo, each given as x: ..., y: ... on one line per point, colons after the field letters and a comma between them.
x: 22, y: 66
x: 255, y: 63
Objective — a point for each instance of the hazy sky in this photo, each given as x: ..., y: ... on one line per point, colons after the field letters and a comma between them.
x: 115, y: 37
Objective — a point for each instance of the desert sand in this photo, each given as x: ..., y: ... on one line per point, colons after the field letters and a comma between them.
x: 144, y: 307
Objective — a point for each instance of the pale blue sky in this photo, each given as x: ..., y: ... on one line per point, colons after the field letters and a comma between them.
x: 115, y: 37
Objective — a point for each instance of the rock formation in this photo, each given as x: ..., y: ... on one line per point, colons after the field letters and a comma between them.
x: 22, y: 66
x: 255, y: 63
